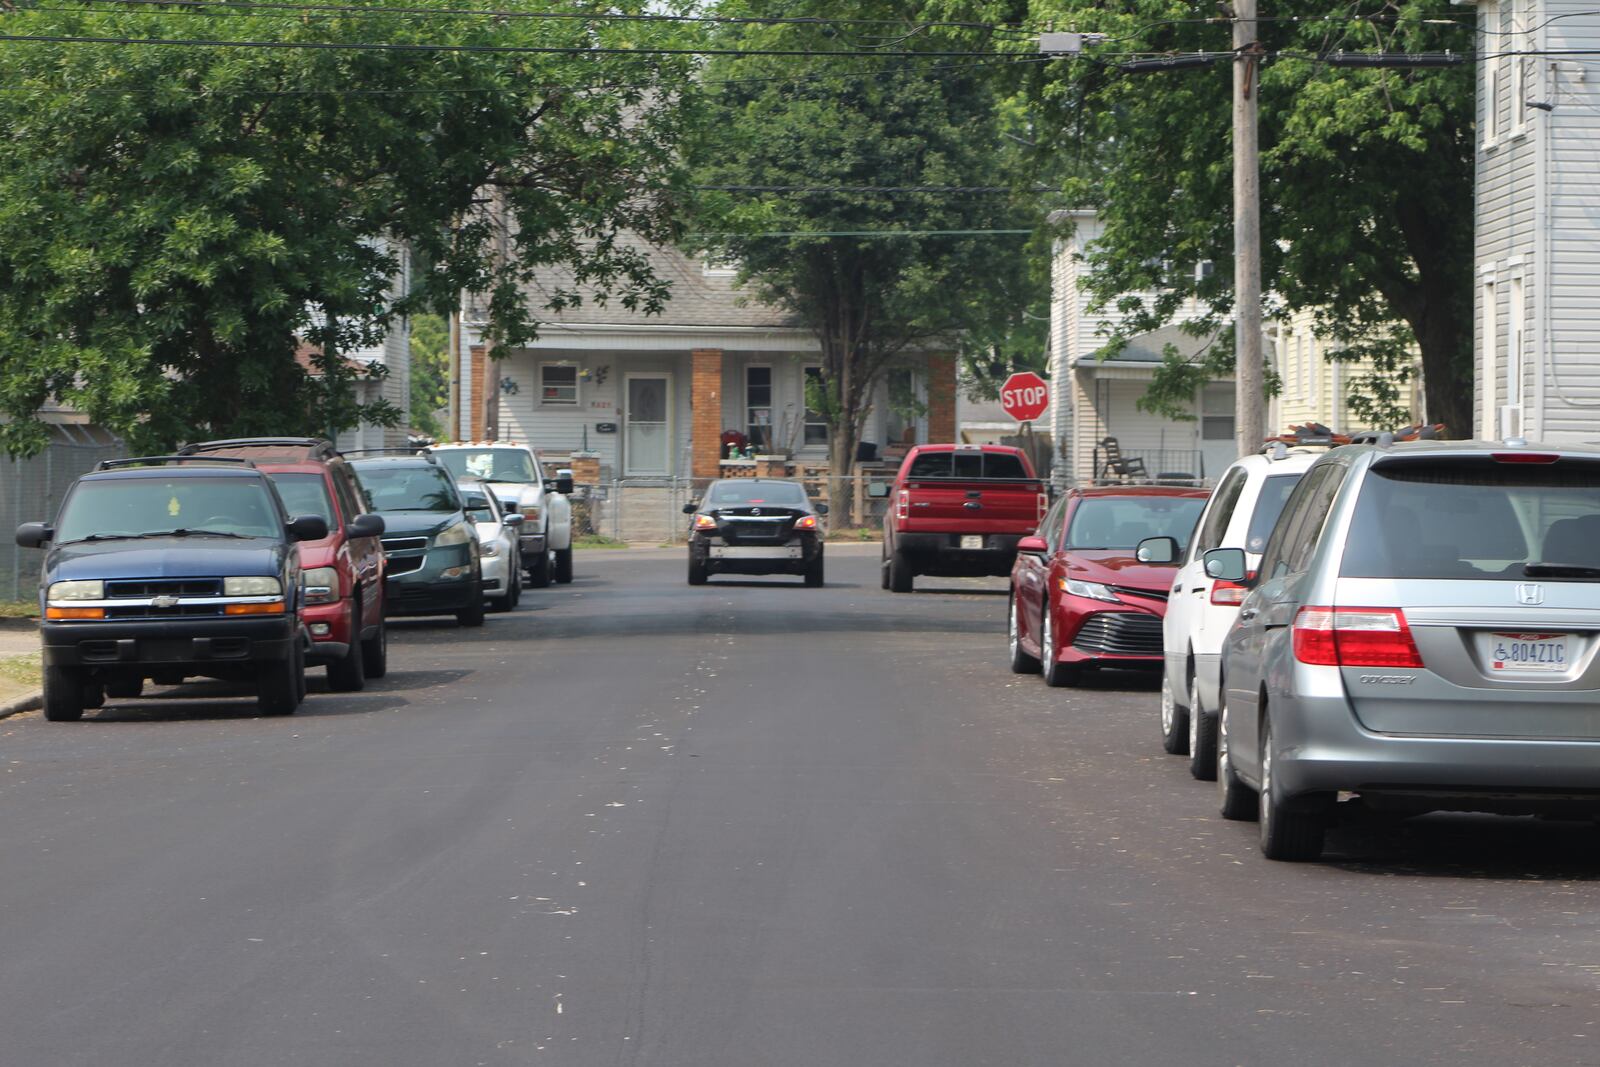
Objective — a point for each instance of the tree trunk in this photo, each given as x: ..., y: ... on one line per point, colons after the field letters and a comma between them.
x: 841, y: 464
x: 1446, y: 345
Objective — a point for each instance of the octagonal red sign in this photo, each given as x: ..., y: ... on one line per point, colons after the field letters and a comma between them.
x: 1024, y: 396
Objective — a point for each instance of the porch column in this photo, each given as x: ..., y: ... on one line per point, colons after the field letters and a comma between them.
x: 942, y: 398
x: 483, y: 393
x: 705, y: 407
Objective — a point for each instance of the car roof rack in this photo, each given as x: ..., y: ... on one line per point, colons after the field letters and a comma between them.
x: 318, y: 447
x: 415, y: 453
x: 161, y: 461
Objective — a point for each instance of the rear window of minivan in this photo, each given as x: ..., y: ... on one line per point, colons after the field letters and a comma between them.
x: 1474, y: 518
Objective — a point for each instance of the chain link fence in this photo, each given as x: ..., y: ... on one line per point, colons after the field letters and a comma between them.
x: 31, y: 490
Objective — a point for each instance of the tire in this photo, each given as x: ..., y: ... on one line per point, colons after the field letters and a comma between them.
x: 814, y: 573
x: 1055, y: 674
x: 502, y: 604
x: 697, y: 572
x: 1174, y: 719
x: 900, y: 573
x: 1202, y: 737
x: 278, y: 684
x: 471, y: 616
x: 375, y: 653
x: 349, y: 675
x: 539, y: 573
x: 516, y: 583
x: 1294, y: 832
x: 1235, y: 800
x: 63, y: 694
x: 564, y: 566
x: 124, y: 688
x: 1021, y: 662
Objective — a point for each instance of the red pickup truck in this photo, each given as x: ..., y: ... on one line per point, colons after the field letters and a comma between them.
x: 958, y: 511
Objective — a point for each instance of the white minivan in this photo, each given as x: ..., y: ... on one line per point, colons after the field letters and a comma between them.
x: 1240, y: 514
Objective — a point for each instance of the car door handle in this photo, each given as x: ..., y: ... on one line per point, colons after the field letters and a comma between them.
x: 1247, y: 614
x: 1198, y: 589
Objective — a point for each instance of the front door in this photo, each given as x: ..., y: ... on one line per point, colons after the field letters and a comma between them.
x: 647, y: 425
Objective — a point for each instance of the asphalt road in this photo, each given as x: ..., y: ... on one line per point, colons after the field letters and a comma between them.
x: 744, y: 824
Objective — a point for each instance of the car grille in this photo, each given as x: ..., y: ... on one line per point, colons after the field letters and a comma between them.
x: 182, y: 611
x: 151, y: 587
x: 1148, y: 594
x: 405, y: 564
x: 404, y: 544
x: 1120, y: 633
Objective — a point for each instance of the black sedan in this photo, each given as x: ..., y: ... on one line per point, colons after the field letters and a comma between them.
x: 755, y: 526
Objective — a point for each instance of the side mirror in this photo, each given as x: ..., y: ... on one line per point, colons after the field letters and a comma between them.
x: 35, y: 534
x: 1157, y: 550
x: 308, y: 528
x: 512, y: 519
x: 878, y: 490
x: 1226, y: 564
x: 1033, y: 546
x: 561, y: 485
x: 690, y: 509
x: 365, y: 526
x: 822, y: 509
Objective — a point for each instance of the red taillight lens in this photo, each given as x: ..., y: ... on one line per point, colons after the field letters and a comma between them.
x: 1231, y: 594
x: 1354, y: 637
x: 1044, y: 508
x: 806, y: 522
x: 1524, y: 457
x: 704, y: 522
x: 902, y: 507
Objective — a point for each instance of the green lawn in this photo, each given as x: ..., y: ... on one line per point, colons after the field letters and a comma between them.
x: 19, y: 676
x: 18, y: 609
x: 597, y: 541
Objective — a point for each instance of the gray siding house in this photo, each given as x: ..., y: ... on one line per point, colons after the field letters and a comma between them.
x: 1537, y: 251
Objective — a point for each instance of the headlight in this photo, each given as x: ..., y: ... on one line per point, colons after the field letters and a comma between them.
x: 251, y: 587
x: 321, y: 584
x: 1092, y: 590
x: 490, y: 548
x: 77, y: 591
x: 459, y: 534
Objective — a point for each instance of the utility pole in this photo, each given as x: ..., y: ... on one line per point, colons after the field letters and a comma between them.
x: 1250, y: 395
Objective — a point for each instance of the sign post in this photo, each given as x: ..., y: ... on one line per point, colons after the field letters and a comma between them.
x: 1024, y: 396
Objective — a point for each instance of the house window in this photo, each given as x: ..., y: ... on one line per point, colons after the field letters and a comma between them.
x: 758, y: 408
x: 1514, y: 315
x: 558, y: 385
x: 714, y: 265
x: 1216, y: 411
x: 816, y: 426
x: 1519, y: 66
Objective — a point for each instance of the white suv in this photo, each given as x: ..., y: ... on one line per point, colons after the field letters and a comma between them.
x: 1240, y: 514
x: 520, y: 483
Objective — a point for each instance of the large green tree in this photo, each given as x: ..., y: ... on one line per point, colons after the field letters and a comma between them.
x: 1366, y: 177
x: 174, y: 219
x: 855, y: 140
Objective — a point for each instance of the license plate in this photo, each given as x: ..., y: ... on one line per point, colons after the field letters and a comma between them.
x: 971, y: 540
x: 1525, y: 653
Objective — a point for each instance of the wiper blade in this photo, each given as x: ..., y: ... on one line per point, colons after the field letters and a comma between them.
x: 1559, y: 570
x: 181, y: 532
x: 109, y: 537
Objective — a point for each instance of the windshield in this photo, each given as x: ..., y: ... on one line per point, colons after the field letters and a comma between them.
x: 1269, y: 505
x: 1475, y: 519
x: 396, y: 487
x: 738, y: 493
x: 305, y: 494
x: 131, y: 507
x: 1122, y: 522
x: 489, y: 464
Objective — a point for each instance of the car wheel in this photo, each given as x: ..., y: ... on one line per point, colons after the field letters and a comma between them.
x: 697, y: 571
x: 564, y: 565
x: 349, y: 675
x: 814, y: 572
x: 900, y: 574
x: 502, y: 604
x: 375, y: 652
x: 1174, y: 720
x: 883, y: 569
x: 1202, y: 737
x: 278, y: 684
x: 1021, y: 662
x: 539, y: 573
x: 1055, y: 673
x: 1290, y: 830
x: 124, y: 688
x: 63, y: 694
x: 472, y: 614
x: 1235, y: 800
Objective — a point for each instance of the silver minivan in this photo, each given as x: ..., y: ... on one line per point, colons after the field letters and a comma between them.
x: 1422, y: 634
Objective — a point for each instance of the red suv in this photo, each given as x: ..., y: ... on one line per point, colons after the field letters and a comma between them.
x: 343, y: 572
x: 1080, y: 595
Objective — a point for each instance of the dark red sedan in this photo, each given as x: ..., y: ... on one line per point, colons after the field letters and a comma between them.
x: 1080, y: 597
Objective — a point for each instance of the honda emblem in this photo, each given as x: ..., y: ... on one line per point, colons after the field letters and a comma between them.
x: 1530, y: 593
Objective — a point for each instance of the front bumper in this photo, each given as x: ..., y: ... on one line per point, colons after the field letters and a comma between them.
x: 1112, y: 638
x: 168, y: 642
x: 333, y: 643
x: 941, y: 554
x: 425, y: 590
x: 496, y: 575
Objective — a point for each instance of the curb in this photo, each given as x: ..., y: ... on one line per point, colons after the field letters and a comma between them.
x: 31, y: 702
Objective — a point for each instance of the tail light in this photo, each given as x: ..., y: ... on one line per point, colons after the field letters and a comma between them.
x: 1354, y: 637
x: 806, y: 522
x: 704, y: 522
x: 902, y: 507
x: 1231, y: 594
x: 1524, y: 457
x: 1044, y: 508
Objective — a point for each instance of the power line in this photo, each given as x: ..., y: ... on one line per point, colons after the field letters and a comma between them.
x: 863, y: 189
x: 857, y: 233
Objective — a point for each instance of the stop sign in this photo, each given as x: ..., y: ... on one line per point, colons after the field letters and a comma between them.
x: 1024, y: 396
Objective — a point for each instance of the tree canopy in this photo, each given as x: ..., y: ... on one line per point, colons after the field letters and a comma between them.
x: 175, y: 219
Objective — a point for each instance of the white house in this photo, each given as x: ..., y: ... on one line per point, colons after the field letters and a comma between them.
x: 1537, y: 243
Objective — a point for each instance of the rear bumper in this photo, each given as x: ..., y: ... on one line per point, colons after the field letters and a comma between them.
x: 168, y: 643
x: 790, y: 557
x: 941, y: 554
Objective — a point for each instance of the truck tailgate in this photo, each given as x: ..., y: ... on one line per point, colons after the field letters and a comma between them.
x: 948, y: 505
